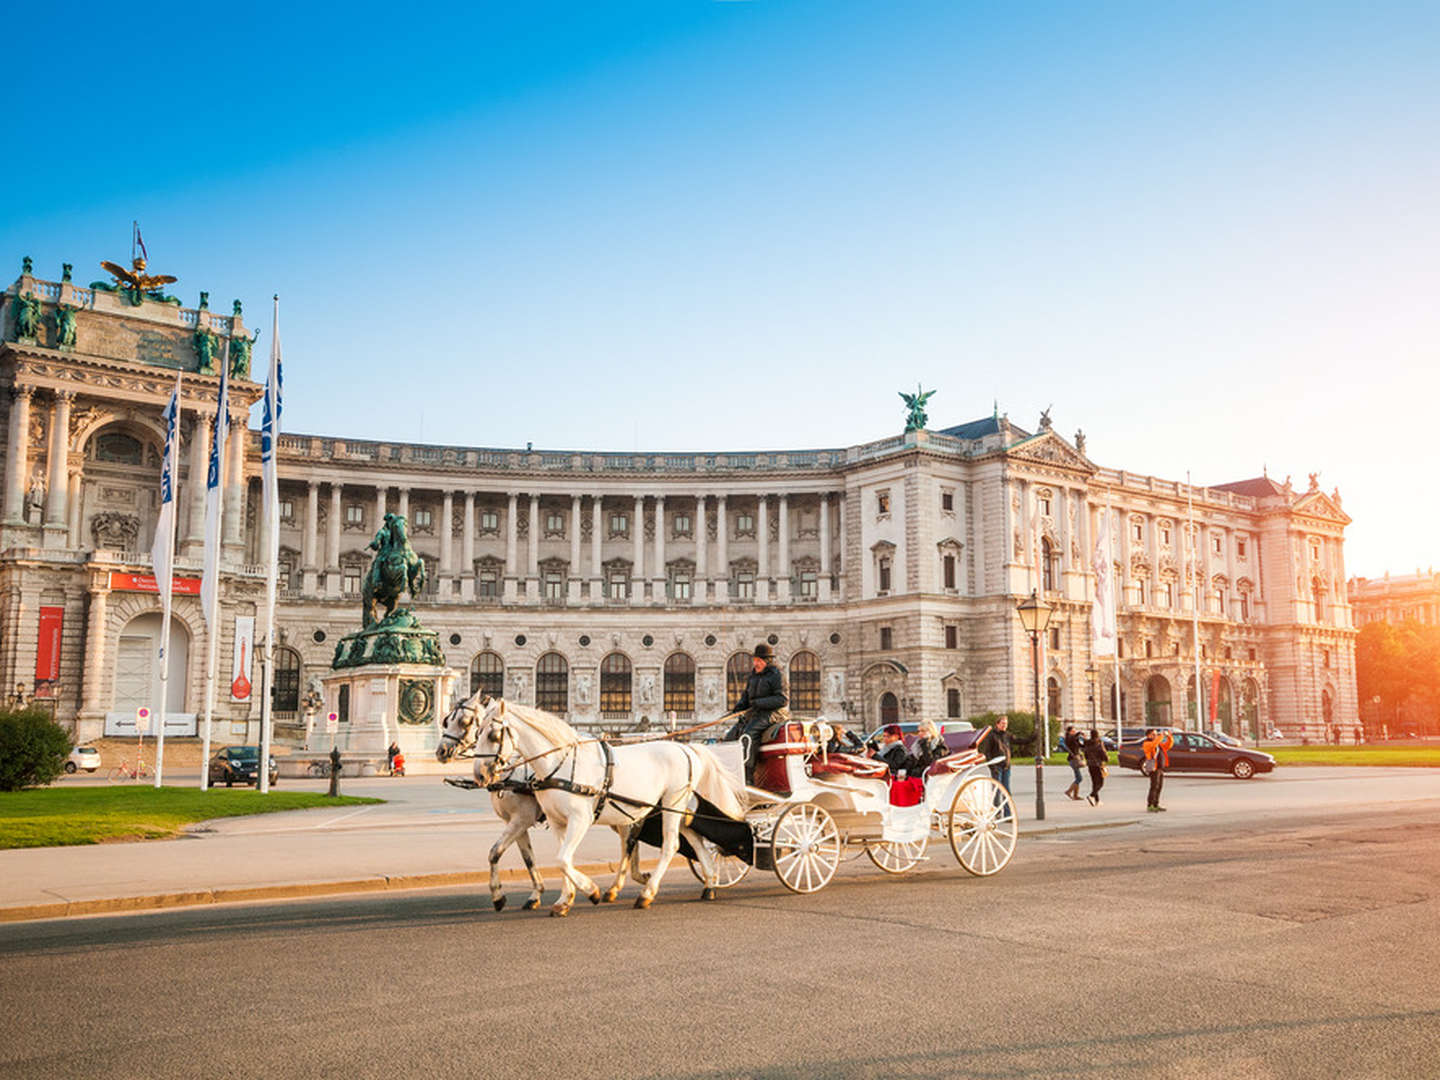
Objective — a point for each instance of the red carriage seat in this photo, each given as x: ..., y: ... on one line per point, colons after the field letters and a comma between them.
x: 955, y: 763
x: 778, y: 744
x: 849, y: 765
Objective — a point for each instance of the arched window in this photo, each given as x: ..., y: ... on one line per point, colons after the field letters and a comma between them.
x: 1047, y: 565
x: 118, y: 448
x: 1052, y: 697
x: 805, y: 683
x: 552, y: 684
x: 285, y: 691
x: 1319, y: 594
x: 487, y: 675
x: 1157, y: 701
x: 952, y: 703
x: 889, y: 708
x: 737, y: 674
x: 615, y: 682
x: 680, y: 684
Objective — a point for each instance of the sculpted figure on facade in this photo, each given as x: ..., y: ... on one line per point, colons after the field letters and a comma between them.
x: 65, y: 325
x: 710, y: 690
x: 582, y: 688
x: 27, y: 316
x: 647, y: 688
x: 207, y: 345
x: 835, y: 686
x: 240, y: 349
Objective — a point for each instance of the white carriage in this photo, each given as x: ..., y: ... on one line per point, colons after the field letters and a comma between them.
x: 808, y: 808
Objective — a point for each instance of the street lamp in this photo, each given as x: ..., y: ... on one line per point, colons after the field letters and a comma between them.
x: 1035, y: 617
x: 1091, y: 673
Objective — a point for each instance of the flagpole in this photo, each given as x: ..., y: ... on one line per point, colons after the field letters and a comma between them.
x: 269, y: 434
x: 1194, y: 596
x: 165, y: 567
x: 210, y: 583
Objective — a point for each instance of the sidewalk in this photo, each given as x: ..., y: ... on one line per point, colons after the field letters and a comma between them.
x: 430, y: 834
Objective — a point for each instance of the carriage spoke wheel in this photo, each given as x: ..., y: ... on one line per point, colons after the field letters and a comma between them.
x: 983, y: 826
x: 897, y: 856
x: 806, y: 847
x: 728, y: 868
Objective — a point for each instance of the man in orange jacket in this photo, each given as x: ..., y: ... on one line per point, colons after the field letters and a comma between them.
x: 1157, y: 746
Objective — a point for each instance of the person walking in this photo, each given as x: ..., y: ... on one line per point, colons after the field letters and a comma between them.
x: 1157, y: 746
x: 1074, y: 756
x: 1097, y: 761
x: 994, y: 742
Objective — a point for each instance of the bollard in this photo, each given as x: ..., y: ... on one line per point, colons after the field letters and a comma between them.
x: 334, y: 771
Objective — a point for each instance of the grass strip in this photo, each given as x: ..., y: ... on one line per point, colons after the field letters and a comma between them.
x: 1411, y: 756
x: 54, y: 817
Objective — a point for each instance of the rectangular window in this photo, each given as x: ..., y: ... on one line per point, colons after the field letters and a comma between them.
x: 282, y: 576
x: 1250, y: 655
x: 1217, y: 545
x: 1137, y: 530
x: 744, y: 523
x: 949, y: 567
x: 947, y: 501
x: 882, y: 502
x: 1244, y: 605
x: 1043, y: 502
x: 350, y: 583
x: 809, y: 585
x: 1055, y: 638
x: 489, y: 583
x: 424, y: 518
x: 1240, y: 548
x: 952, y: 703
x: 1167, y: 595
x: 887, y: 639
x: 617, y: 586
x: 554, y: 522
x: 490, y: 520
x: 680, y: 587
x: 354, y: 514
x: 681, y: 524
x: 1315, y: 550
x: 884, y: 586
x: 952, y: 637
x: 342, y: 704
x: 1165, y: 536
x: 745, y: 585
x: 287, y: 510
x: 619, y: 524
x: 554, y: 585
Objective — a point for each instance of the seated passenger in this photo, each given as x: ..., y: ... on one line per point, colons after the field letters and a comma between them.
x: 843, y: 742
x: 892, y: 748
x: 928, y: 747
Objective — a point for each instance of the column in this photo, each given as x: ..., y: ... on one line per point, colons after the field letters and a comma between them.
x: 467, y: 550
x: 16, y: 460
x: 825, y: 547
x: 597, y: 521
x: 532, y: 554
x: 658, y: 570
x: 637, y: 534
x: 94, y: 666
x: 403, y: 507
x: 512, y: 569
x: 77, y: 498
x: 310, y: 539
x: 840, y: 531
x: 572, y: 577
x: 782, y: 584
x: 379, y: 506
x: 199, y: 470
x: 332, y: 544
x: 762, y: 540
x: 235, y: 489
x: 447, y: 544
x: 1234, y: 590
x: 58, y: 486
x: 700, y: 588
x: 722, y: 556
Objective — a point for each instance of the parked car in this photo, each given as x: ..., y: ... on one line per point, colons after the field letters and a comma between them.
x: 83, y: 757
x: 240, y: 765
x: 958, y: 734
x: 1200, y: 753
x: 1224, y: 737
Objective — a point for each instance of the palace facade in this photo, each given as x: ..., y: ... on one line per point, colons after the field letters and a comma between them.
x: 625, y: 587
x: 1394, y: 599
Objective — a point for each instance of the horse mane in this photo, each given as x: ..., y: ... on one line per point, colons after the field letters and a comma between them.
x: 547, y: 724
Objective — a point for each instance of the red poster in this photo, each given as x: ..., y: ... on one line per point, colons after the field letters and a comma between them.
x: 183, y: 586
x: 47, y: 655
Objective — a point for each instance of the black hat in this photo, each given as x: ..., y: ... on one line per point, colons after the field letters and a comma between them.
x: 764, y: 652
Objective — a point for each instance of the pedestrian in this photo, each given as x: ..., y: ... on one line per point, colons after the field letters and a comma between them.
x: 994, y: 742
x: 1157, y: 746
x: 1097, y: 761
x: 1074, y: 756
x: 390, y: 752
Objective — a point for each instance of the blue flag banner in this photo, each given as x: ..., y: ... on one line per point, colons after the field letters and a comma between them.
x: 210, y: 579
x: 162, y: 552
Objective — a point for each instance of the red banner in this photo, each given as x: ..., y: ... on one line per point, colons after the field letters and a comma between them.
x: 47, y: 655
x: 184, y: 586
x: 1214, y: 695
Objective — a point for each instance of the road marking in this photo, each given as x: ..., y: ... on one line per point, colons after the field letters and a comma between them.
x: 344, y: 817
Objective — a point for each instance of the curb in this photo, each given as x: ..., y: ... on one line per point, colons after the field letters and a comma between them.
x: 61, y: 909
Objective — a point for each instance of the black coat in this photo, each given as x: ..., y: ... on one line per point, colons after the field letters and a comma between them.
x: 925, y: 752
x: 895, y: 756
x: 994, y: 743
x: 1095, y: 752
x: 764, y: 692
x: 1074, y: 745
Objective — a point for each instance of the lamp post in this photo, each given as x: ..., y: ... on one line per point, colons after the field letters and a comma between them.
x: 1035, y: 617
x: 1091, y: 673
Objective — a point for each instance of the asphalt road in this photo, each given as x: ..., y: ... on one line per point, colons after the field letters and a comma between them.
x: 1297, y: 947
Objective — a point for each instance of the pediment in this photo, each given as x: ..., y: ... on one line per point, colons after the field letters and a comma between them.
x: 1048, y: 448
x: 1318, y: 504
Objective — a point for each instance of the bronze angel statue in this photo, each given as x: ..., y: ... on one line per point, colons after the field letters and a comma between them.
x: 916, y: 418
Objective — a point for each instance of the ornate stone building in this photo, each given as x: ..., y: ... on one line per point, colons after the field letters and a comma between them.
x: 1396, y: 598
x: 624, y: 587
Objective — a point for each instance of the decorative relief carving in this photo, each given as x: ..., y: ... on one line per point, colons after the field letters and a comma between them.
x: 457, y: 521
x: 116, y: 496
x: 115, y: 531
x: 774, y: 526
x: 522, y: 525
x: 587, y: 527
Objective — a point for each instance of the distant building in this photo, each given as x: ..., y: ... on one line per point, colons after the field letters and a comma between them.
x: 1396, y: 598
x: 618, y: 587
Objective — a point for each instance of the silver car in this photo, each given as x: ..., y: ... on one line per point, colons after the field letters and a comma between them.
x: 83, y: 757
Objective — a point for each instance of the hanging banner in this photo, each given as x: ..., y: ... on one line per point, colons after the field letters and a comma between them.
x: 183, y: 586
x: 47, y: 653
x: 1214, y: 695
x: 244, y: 652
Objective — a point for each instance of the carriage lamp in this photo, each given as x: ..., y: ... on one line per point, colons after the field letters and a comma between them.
x: 1035, y: 618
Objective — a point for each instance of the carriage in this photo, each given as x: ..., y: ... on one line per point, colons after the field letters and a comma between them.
x: 809, y: 809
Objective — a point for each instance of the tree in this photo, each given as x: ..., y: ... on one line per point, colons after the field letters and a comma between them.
x: 33, y: 748
x: 1399, y: 664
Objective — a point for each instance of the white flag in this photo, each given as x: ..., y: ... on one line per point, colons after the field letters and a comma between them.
x: 1102, y: 612
x: 210, y: 580
x: 162, y: 552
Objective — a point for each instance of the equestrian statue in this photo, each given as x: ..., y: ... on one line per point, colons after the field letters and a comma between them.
x: 395, y: 570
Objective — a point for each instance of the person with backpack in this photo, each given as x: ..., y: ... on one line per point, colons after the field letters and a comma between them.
x: 1157, y: 746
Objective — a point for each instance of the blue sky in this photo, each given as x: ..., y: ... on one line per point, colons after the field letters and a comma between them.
x: 1206, y: 233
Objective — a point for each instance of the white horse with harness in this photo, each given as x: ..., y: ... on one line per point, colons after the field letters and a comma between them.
x: 579, y: 781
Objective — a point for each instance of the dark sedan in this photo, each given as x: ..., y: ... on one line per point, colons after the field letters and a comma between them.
x: 1200, y: 753
x: 239, y: 765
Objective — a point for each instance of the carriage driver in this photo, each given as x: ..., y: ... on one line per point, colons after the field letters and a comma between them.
x: 764, y: 694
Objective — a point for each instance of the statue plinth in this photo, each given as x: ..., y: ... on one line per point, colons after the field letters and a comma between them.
x: 397, y: 639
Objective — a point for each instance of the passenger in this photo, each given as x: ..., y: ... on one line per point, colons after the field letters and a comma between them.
x: 843, y: 742
x: 928, y: 748
x: 892, y: 748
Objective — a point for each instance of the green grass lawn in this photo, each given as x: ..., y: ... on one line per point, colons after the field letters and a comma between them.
x: 51, y: 817
x: 1356, y: 755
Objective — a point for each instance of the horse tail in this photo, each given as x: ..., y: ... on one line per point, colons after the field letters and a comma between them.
x: 717, y: 786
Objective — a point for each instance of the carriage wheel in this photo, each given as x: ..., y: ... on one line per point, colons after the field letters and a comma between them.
x: 806, y: 846
x: 729, y: 869
x: 983, y: 826
x: 895, y: 856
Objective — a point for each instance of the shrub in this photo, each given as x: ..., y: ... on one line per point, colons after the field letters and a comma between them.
x: 33, y: 749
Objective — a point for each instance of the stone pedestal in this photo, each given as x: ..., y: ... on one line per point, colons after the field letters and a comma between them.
x: 400, y: 702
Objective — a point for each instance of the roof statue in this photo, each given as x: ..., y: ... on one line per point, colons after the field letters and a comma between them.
x: 916, y: 418
x: 135, y: 283
x: 1045, y: 418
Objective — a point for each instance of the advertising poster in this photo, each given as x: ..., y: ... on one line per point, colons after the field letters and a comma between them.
x: 47, y: 655
x: 180, y: 586
x: 242, y: 664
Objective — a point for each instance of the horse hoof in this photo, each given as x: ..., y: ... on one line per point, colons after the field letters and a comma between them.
x: 529, y: 905
x: 610, y: 895
x: 595, y: 897
x: 707, y: 893
x: 499, y: 902
x: 642, y: 902
x: 559, y: 911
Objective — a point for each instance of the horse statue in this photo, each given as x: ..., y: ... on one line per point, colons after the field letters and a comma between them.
x: 396, y: 568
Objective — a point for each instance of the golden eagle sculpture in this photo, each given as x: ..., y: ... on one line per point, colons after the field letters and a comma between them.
x: 135, y: 279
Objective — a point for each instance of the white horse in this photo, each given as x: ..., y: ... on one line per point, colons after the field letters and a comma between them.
x: 520, y: 812
x: 582, y: 781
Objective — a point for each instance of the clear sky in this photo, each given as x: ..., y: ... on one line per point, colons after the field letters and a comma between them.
x: 1206, y: 233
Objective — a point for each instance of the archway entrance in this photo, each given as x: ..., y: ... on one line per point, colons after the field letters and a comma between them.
x: 889, y: 708
x: 137, y: 675
x: 1157, y: 701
